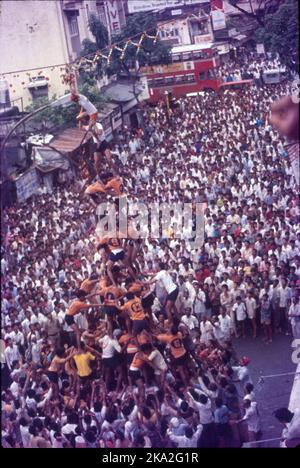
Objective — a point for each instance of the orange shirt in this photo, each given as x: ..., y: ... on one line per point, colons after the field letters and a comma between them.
x: 97, y: 187
x: 176, y: 345
x: 135, y: 309
x: 76, y: 306
x: 116, y: 185
x: 136, y: 287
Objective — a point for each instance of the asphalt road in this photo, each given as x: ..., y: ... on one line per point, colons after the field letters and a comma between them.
x: 274, y: 392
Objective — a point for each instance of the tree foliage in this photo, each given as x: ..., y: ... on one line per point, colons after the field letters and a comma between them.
x: 281, y: 34
x: 148, y: 53
x: 62, y: 117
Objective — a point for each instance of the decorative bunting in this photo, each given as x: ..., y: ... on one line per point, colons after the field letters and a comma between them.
x: 89, y: 62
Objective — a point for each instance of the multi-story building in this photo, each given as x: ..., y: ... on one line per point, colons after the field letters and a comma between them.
x: 39, y: 37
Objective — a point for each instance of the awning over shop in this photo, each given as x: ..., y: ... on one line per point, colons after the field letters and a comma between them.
x: 69, y: 140
x: 122, y: 92
x: 240, y: 38
x: 47, y: 160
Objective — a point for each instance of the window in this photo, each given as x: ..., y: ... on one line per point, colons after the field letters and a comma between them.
x: 41, y: 91
x: 190, y: 78
x: 169, y: 80
x: 73, y: 25
x: 162, y: 34
x: 211, y: 74
x: 197, y: 55
x: 202, y: 75
x: 176, y: 58
x: 187, y: 56
x: 101, y: 14
x: 150, y: 83
x: 206, y: 54
x: 158, y: 82
x: 179, y: 79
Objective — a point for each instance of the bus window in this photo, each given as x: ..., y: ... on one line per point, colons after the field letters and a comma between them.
x: 211, y: 74
x: 197, y: 55
x: 169, y: 80
x: 190, y: 78
x: 202, y: 75
x: 179, y: 79
x: 150, y: 83
x: 205, y: 54
x: 158, y: 82
x: 186, y: 56
x: 176, y: 58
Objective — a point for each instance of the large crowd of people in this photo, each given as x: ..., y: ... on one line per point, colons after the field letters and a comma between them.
x: 112, y: 342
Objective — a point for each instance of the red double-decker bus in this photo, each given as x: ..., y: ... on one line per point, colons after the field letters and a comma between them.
x: 192, y: 70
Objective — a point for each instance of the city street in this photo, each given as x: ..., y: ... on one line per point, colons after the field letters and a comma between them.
x: 274, y: 392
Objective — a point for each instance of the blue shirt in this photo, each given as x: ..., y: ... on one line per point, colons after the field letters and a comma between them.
x: 221, y: 415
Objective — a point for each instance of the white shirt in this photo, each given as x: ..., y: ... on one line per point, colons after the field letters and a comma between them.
x: 99, y: 137
x: 109, y: 346
x: 11, y: 355
x: 252, y: 418
x: 156, y: 357
x: 191, y: 322
x: 205, y: 412
x: 284, y: 296
x: 185, y: 442
x: 251, y: 307
x: 225, y: 324
x: 240, y: 310
x: 165, y: 278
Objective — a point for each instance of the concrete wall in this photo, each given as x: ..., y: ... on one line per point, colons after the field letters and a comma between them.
x: 31, y: 36
x: 34, y: 34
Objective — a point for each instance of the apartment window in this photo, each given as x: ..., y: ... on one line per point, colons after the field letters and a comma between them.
x: 41, y: 91
x: 187, y: 56
x: 73, y: 25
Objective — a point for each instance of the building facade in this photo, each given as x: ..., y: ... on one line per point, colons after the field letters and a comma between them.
x: 40, y: 37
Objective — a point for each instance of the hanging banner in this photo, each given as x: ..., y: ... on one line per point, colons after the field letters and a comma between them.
x: 134, y: 6
x: 218, y: 15
x: 27, y: 184
x: 113, y: 16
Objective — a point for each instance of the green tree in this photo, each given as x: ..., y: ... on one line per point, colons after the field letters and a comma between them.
x: 51, y: 119
x: 281, y: 34
x: 61, y: 117
x: 129, y: 65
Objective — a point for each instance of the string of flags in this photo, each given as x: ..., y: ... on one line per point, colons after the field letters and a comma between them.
x: 88, y: 62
